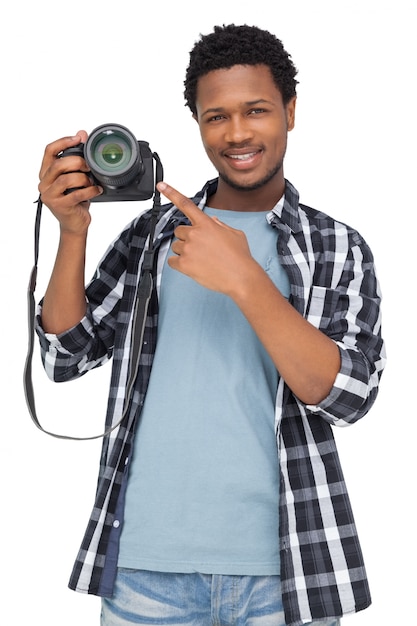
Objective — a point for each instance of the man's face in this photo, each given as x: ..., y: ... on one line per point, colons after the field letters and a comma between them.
x: 243, y: 124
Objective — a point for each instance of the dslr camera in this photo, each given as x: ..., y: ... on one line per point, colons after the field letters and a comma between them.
x: 119, y: 163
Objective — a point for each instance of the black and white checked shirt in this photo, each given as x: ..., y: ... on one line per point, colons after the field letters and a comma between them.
x: 334, y: 286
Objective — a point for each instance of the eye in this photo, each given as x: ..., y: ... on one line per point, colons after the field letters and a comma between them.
x: 257, y: 111
x: 215, y: 118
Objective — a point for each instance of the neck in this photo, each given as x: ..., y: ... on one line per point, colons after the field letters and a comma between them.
x: 265, y: 198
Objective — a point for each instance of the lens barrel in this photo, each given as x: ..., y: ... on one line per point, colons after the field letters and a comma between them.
x: 113, y: 155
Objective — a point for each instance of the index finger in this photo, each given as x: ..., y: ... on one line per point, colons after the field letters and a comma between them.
x: 184, y: 204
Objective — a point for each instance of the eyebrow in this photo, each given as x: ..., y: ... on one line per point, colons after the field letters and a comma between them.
x: 248, y: 103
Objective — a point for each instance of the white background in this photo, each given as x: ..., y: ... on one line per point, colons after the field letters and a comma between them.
x: 73, y: 65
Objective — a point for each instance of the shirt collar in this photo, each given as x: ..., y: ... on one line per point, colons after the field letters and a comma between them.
x: 286, y: 209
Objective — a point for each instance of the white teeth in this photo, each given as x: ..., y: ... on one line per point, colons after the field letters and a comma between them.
x: 242, y: 157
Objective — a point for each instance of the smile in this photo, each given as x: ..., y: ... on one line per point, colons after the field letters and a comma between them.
x: 242, y: 157
x: 244, y: 161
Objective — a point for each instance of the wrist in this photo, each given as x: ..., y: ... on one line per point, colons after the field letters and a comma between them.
x: 72, y: 237
x: 249, y: 280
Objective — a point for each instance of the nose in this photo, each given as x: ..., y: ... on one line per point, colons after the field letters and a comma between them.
x: 238, y: 130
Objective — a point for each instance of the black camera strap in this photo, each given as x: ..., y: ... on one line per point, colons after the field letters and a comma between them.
x: 143, y: 296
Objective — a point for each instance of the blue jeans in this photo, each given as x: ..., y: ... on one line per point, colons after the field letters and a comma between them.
x: 153, y: 598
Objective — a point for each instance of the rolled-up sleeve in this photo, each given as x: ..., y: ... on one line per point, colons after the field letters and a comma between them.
x: 354, y: 323
x: 74, y: 352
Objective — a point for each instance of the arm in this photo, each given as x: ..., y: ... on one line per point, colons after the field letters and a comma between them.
x: 64, y: 303
x: 305, y: 357
x: 218, y: 257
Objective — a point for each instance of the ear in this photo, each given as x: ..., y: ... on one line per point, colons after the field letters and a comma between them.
x: 290, y: 113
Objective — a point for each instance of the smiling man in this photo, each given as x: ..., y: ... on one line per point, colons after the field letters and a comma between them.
x: 244, y: 124
x: 221, y: 499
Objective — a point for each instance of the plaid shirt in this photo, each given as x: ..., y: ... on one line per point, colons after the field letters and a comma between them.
x: 334, y: 286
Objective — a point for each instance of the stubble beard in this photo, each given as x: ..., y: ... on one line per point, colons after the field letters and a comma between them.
x: 255, y: 185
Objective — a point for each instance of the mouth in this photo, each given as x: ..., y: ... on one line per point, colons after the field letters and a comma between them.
x: 244, y: 159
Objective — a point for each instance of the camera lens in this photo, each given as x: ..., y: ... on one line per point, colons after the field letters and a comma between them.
x: 110, y: 152
x: 113, y: 155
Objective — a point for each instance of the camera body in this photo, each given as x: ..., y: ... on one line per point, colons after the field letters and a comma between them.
x: 118, y: 162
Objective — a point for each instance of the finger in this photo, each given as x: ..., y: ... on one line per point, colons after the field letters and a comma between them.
x: 222, y: 224
x: 176, y: 247
x: 184, y: 204
x: 53, y: 149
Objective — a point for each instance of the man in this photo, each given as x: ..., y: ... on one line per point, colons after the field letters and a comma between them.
x: 229, y: 506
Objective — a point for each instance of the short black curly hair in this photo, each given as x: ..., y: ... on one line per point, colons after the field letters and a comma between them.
x: 230, y: 45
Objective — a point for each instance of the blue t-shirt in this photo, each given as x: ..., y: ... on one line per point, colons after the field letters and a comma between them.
x: 203, y: 485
